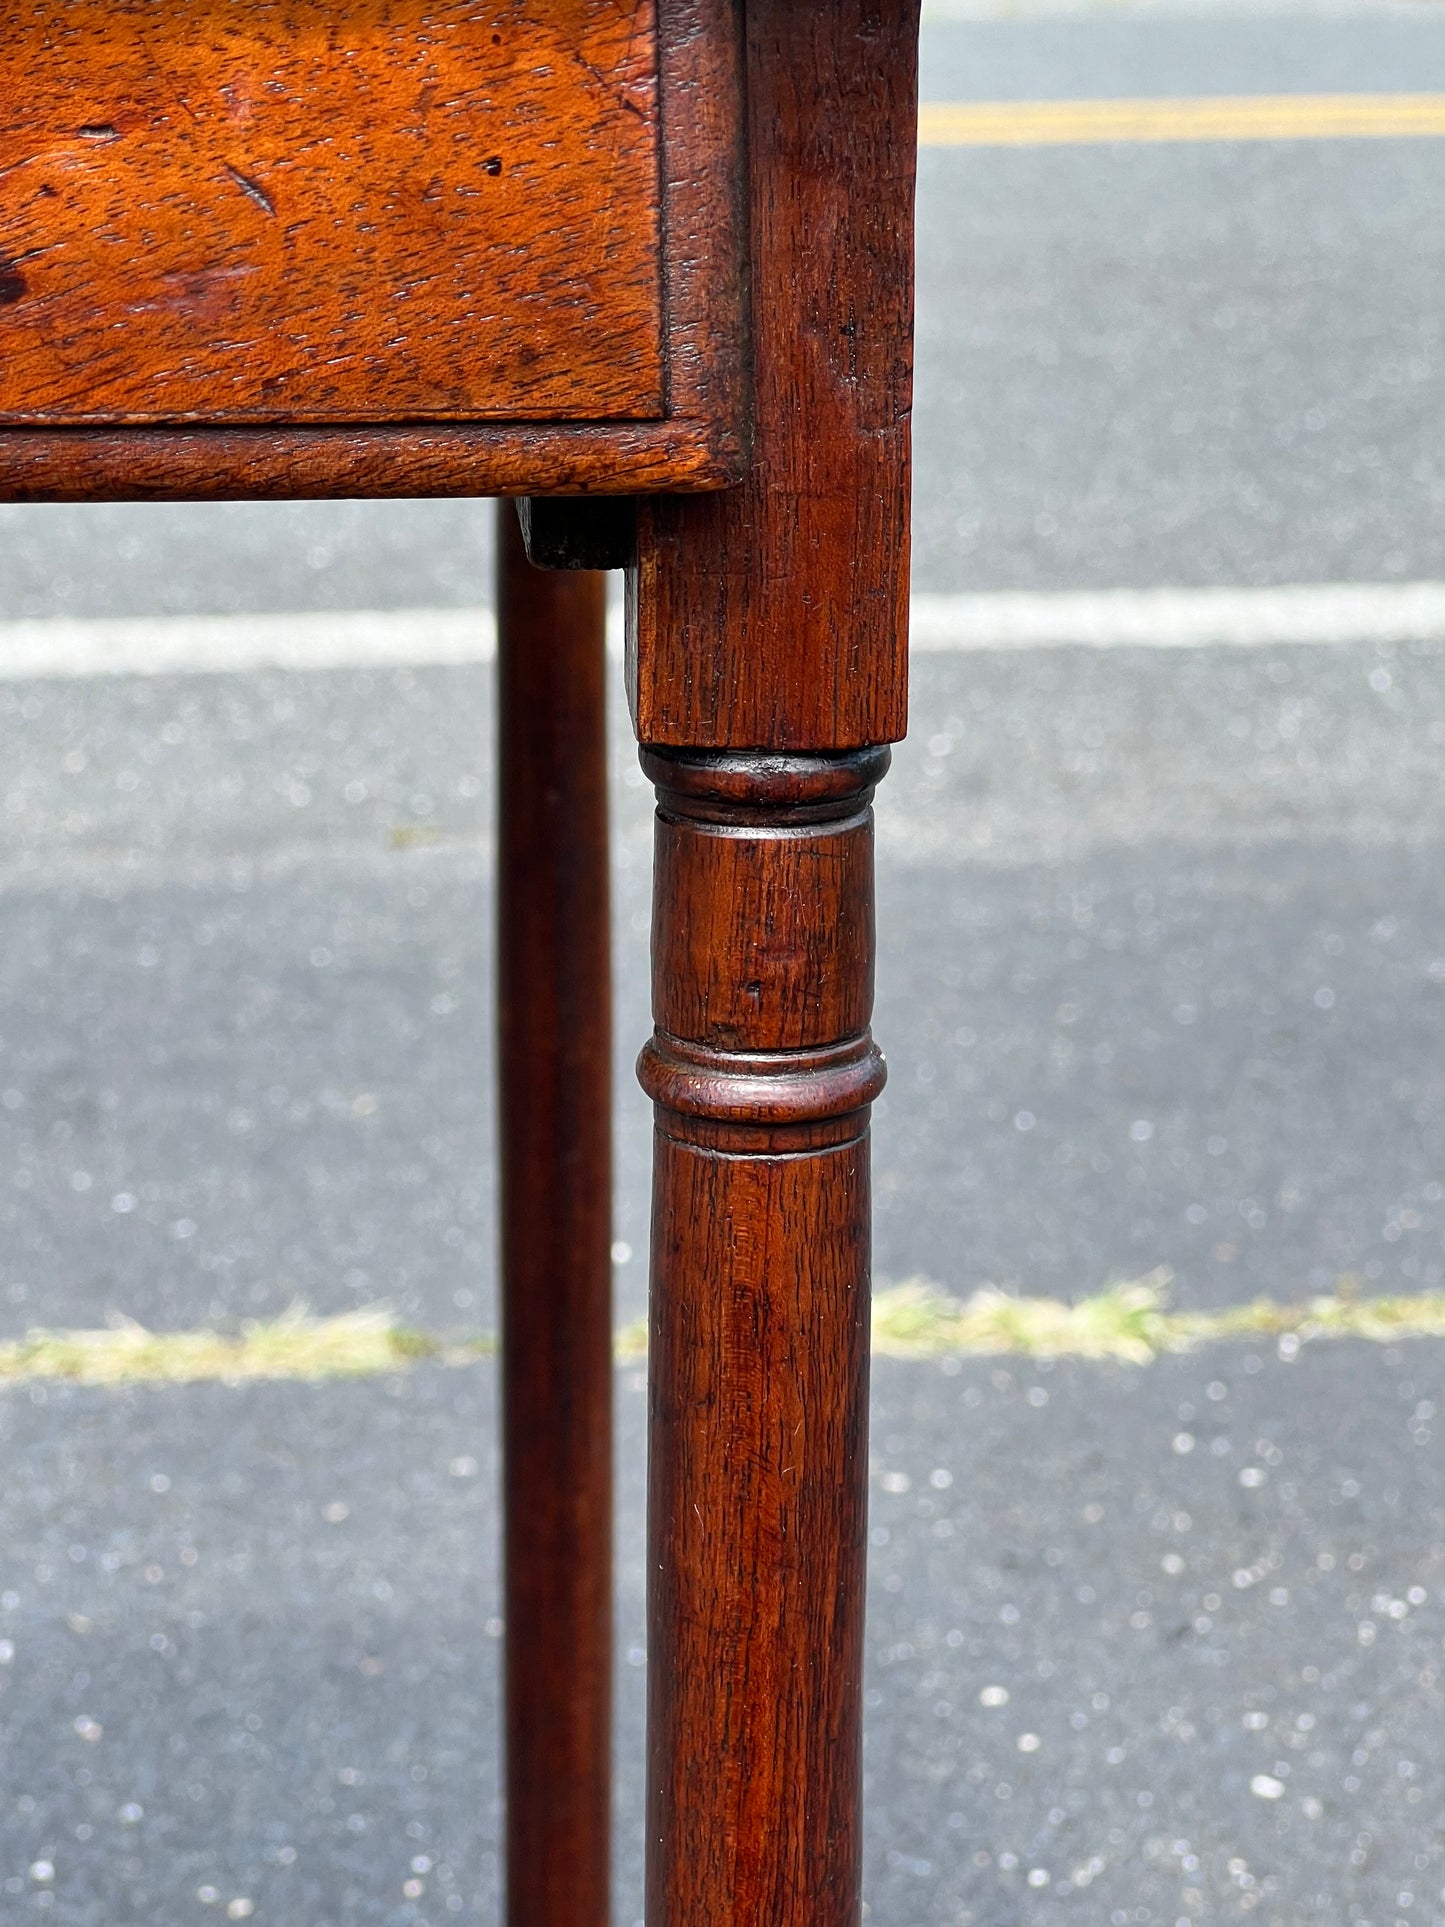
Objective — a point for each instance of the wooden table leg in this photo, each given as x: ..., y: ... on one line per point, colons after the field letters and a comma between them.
x: 767, y: 674
x: 762, y: 1070
x: 556, y: 1202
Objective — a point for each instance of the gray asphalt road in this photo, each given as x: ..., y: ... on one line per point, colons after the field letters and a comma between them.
x: 1144, y: 1647
x: 1180, y: 364
x: 1162, y: 983
x: 1167, y: 989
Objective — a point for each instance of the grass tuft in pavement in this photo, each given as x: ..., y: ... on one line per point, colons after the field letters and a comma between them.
x: 357, y: 1344
x: 1128, y: 1321
x: 1131, y: 1322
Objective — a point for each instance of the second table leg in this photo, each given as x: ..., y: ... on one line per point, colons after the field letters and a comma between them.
x: 554, y: 1060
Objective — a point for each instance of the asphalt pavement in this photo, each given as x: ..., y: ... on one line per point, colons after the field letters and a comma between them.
x: 1161, y: 984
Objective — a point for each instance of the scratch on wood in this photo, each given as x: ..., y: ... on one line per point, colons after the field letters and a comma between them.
x: 252, y: 190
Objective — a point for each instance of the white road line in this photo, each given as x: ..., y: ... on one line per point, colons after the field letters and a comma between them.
x: 174, y: 645
x: 1341, y: 612
x: 1219, y: 117
x: 1181, y: 618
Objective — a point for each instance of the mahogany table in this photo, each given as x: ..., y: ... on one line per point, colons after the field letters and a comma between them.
x: 646, y: 266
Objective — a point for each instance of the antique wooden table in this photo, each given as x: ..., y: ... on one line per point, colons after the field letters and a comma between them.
x: 646, y: 264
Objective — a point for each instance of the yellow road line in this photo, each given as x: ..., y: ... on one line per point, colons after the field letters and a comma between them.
x: 1238, y: 117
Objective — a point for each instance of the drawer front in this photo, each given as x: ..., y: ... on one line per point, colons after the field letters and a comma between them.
x: 316, y: 211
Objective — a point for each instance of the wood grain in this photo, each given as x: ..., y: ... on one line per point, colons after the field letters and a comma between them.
x: 761, y: 1070
x: 699, y: 444
x: 745, y: 971
x: 776, y: 615
x: 285, y: 464
x: 759, y: 1359
x: 298, y: 211
x: 704, y: 212
x: 554, y: 1053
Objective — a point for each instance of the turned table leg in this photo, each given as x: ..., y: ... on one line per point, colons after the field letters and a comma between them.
x: 554, y: 1051
x: 761, y: 1069
x: 767, y: 671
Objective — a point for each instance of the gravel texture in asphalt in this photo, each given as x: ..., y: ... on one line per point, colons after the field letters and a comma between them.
x: 1144, y: 1645
x: 1162, y: 983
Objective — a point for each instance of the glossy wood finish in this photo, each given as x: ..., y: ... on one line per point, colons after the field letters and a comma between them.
x: 776, y: 615
x: 767, y: 639
x: 762, y: 1071
x: 554, y: 1060
x: 310, y: 464
x: 290, y: 211
x: 690, y: 203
